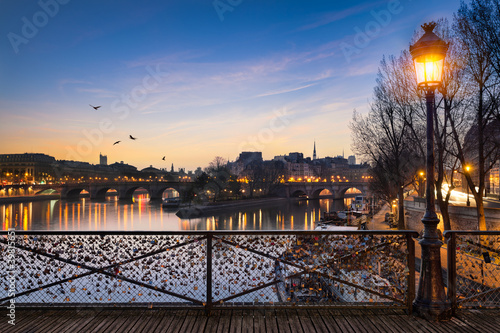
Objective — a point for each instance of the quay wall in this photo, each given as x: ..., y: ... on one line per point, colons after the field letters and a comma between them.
x: 462, y: 217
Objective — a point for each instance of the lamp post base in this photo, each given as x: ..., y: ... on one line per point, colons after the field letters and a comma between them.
x: 431, y: 302
x: 434, y: 311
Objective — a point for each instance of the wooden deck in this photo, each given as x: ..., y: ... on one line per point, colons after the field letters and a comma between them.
x: 288, y: 321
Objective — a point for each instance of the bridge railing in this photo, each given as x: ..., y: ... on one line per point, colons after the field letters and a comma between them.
x: 209, y: 269
x: 473, y: 269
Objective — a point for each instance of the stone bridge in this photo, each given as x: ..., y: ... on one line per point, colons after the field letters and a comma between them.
x: 125, y: 190
x: 313, y: 189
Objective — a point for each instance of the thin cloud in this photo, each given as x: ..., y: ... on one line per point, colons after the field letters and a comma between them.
x: 339, y: 15
x: 286, y: 90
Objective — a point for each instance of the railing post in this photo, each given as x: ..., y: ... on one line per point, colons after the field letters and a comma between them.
x: 411, y: 267
x: 452, y: 270
x: 208, y: 305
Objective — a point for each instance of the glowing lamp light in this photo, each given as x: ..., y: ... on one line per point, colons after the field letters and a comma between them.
x: 428, y: 55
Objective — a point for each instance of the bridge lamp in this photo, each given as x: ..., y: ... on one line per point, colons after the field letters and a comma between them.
x: 428, y: 55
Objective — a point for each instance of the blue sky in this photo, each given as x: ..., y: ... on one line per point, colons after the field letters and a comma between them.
x: 193, y: 79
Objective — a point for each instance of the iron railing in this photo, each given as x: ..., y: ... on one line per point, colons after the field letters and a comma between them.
x: 209, y: 269
x: 473, y: 269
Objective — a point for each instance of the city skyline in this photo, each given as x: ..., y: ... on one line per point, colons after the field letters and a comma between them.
x: 194, y: 79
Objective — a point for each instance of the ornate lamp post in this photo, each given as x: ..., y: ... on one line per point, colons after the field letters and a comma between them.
x: 428, y: 55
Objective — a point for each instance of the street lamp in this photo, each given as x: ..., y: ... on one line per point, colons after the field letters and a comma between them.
x: 467, y: 168
x: 428, y: 55
x: 420, y: 183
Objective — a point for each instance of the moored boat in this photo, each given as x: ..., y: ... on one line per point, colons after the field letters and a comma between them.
x: 171, y: 202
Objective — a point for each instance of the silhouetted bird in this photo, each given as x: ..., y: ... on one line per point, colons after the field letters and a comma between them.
x: 116, y: 142
x: 163, y: 158
x: 95, y: 107
x: 132, y: 137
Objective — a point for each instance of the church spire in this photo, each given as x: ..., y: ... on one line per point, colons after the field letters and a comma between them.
x: 314, y: 151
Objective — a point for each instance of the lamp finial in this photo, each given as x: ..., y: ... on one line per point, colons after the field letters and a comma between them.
x: 428, y: 27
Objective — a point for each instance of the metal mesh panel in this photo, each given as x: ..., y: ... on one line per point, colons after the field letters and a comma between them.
x: 76, y: 269
x: 310, y: 270
x: 478, y: 270
x: 245, y: 269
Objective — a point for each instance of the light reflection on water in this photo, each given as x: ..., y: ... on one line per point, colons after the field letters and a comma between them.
x: 143, y: 215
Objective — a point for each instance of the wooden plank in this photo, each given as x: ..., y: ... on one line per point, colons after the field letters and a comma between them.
x: 341, y: 321
x: 317, y: 321
x: 236, y: 322
x: 481, y: 324
x: 352, y: 318
x: 177, y: 321
x: 271, y: 323
x: 125, y: 323
x: 26, y: 323
x: 247, y: 321
x: 453, y: 325
x: 293, y: 320
x: 160, y: 323
x: 80, y: 319
x: 406, y: 323
x: 224, y: 321
x: 60, y: 324
x: 45, y: 323
x: 189, y: 321
x: 329, y: 321
x: 376, y: 320
x: 200, y: 322
x: 101, y: 318
x: 305, y: 321
x: 147, y: 316
x: 63, y: 320
x: 23, y: 317
x: 212, y: 322
x: 282, y: 320
x: 259, y: 321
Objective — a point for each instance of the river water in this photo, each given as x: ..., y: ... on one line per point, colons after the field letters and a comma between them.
x: 141, y: 214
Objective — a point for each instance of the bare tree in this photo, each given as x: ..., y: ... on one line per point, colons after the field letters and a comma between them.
x: 383, y: 137
x: 218, y: 176
x: 480, y: 146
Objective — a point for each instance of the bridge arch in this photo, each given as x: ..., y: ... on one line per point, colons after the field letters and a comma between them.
x: 100, y: 193
x: 157, y: 192
x: 128, y: 193
x: 298, y: 194
x: 47, y: 191
x: 72, y: 194
x: 358, y: 190
x: 317, y: 192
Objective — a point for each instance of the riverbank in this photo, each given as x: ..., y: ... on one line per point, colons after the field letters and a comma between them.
x: 28, y: 198
x: 218, y: 207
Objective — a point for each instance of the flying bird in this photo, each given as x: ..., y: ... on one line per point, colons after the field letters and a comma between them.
x: 163, y: 158
x: 95, y: 107
x: 132, y: 137
x: 117, y: 142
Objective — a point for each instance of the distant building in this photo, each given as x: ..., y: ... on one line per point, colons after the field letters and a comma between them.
x: 248, y: 157
x: 151, y: 171
x: 314, y: 151
x: 103, y: 159
x: 123, y: 168
x: 351, y: 160
x: 26, y: 167
x: 295, y: 157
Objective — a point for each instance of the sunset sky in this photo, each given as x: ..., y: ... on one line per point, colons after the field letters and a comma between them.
x: 193, y: 79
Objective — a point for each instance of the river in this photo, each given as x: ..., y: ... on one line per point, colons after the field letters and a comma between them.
x: 141, y: 214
